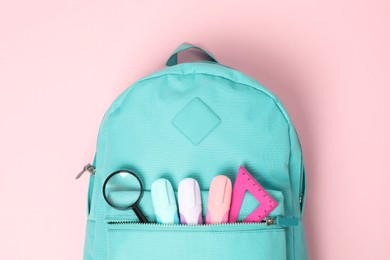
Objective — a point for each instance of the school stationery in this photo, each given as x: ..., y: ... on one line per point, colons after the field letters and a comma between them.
x: 123, y: 190
x: 190, y: 202
x: 246, y: 182
x: 164, y: 202
x: 219, y: 199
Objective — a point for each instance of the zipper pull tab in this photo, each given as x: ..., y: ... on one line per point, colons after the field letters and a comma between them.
x: 287, y: 221
x: 90, y: 168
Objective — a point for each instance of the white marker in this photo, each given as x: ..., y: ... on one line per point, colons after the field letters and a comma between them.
x: 190, y: 202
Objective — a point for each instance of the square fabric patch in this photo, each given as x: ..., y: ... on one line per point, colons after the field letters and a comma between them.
x: 196, y: 121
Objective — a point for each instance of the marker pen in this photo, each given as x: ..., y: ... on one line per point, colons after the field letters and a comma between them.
x: 220, y: 195
x: 164, y: 202
x: 190, y: 203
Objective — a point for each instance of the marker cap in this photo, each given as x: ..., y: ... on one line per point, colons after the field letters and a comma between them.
x: 164, y: 202
x: 219, y: 199
x: 190, y: 202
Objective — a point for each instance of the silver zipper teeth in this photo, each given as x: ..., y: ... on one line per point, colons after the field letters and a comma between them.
x: 269, y: 221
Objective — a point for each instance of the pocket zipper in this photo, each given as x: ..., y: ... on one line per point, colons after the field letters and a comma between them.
x: 269, y: 221
x: 90, y: 168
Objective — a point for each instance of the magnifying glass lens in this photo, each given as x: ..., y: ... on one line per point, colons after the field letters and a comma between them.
x: 122, y: 190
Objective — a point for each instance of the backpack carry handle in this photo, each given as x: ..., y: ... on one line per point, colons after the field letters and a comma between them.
x: 185, y: 46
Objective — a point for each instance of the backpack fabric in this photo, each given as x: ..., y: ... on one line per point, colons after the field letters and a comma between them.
x: 197, y: 119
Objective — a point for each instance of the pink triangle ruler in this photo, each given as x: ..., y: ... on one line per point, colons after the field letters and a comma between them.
x: 246, y: 182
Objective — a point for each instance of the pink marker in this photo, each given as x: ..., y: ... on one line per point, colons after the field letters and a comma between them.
x: 220, y: 195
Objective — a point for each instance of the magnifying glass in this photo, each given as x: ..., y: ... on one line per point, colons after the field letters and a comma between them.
x: 123, y: 190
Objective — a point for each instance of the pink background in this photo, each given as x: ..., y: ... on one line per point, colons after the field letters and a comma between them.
x: 63, y: 62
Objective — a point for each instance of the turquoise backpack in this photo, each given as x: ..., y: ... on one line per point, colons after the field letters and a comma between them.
x: 197, y: 119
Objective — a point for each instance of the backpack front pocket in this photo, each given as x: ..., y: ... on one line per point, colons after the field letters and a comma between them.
x: 228, y: 241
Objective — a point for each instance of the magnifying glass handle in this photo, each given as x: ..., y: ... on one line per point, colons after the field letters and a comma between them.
x: 140, y: 215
